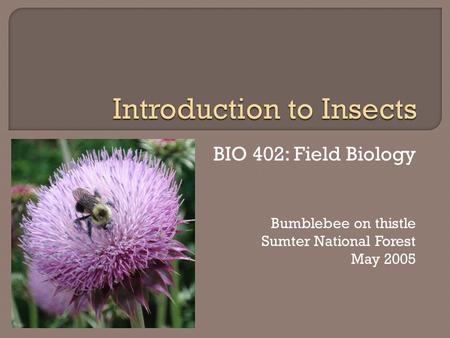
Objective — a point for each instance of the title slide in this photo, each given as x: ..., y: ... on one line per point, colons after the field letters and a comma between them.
x: 194, y: 169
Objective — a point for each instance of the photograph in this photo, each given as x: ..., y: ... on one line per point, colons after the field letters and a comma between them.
x: 103, y: 233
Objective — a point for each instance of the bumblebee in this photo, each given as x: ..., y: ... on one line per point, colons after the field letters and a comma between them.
x: 94, y: 210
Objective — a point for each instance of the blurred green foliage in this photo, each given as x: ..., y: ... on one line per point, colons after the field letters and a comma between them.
x: 33, y: 162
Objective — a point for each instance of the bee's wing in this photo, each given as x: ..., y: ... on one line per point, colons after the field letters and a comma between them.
x: 79, y: 193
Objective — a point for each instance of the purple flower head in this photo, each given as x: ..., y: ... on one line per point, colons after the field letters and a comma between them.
x: 164, y: 141
x: 21, y: 194
x: 124, y: 260
x: 46, y: 296
x: 21, y: 190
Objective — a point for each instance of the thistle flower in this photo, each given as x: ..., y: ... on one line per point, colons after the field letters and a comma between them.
x: 124, y: 261
x: 20, y: 191
x: 178, y: 154
x: 46, y: 296
x: 20, y: 195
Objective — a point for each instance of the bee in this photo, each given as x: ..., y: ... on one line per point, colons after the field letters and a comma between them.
x: 94, y: 210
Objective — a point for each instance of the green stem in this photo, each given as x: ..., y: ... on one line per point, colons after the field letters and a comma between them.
x: 33, y: 313
x: 101, y: 322
x: 65, y: 150
x: 175, y: 311
x: 78, y: 322
x: 15, y: 318
x: 137, y: 319
x: 161, y: 310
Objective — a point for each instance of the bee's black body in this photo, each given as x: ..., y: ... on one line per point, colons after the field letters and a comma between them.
x: 95, y: 211
x: 85, y: 201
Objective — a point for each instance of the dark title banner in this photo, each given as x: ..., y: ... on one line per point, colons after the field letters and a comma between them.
x: 375, y: 68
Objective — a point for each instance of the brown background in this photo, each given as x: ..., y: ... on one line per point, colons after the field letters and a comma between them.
x: 245, y: 290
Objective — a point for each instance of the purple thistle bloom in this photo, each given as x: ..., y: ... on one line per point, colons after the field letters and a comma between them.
x: 45, y: 295
x: 20, y: 190
x: 21, y: 194
x: 128, y: 259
